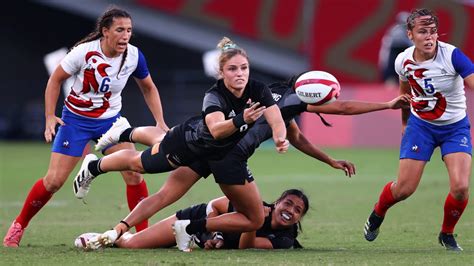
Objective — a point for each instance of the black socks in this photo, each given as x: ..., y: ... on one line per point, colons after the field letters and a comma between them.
x: 196, y: 226
x: 126, y: 135
x: 94, y: 167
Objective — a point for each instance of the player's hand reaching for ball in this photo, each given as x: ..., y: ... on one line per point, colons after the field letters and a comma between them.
x: 402, y: 101
x: 346, y: 166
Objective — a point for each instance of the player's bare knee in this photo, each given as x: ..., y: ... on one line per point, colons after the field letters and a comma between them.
x: 460, y: 192
x: 52, y: 184
x: 136, y: 164
x: 132, y: 178
x: 256, y: 222
x: 403, y: 193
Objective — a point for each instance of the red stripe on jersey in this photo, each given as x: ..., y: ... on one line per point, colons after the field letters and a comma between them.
x: 79, y: 102
x: 101, y: 69
x: 438, y: 110
x: 91, y: 54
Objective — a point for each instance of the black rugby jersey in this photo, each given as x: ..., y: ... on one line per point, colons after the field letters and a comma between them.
x: 219, y: 98
x: 290, y: 107
x: 280, y: 238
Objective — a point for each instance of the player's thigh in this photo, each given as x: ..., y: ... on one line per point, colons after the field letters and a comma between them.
x: 131, y: 178
x: 120, y: 146
x: 178, y: 183
x: 459, y: 166
x: 60, y: 167
x: 246, y: 199
x: 409, y: 175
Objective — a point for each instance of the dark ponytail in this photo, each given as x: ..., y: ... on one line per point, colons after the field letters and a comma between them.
x: 105, y: 21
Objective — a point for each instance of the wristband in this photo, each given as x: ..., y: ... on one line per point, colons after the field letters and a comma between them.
x: 218, y: 236
x: 125, y: 223
x: 238, y: 120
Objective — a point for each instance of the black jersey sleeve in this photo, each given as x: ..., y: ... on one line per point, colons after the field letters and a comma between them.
x: 212, y: 102
x: 266, y: 96
x: 281, y: 241
x: 259, y: 92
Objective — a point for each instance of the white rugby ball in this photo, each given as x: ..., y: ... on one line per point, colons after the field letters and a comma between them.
x: 317, y: 87
x: 82, y: 240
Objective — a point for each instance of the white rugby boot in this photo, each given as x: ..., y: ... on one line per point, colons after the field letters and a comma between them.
x: 112, y: 135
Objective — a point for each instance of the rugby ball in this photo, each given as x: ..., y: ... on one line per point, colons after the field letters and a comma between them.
x: 317, y: 87
x: 82, y: 240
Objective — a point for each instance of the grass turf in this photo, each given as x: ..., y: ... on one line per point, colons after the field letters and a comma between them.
x: 332, y: 229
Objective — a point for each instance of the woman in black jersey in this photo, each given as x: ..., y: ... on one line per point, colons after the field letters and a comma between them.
x: 229, y: 110
x: 234, y: 164
x: 279, y: 230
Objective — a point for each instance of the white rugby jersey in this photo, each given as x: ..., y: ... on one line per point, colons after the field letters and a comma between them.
x: 96, y: 90
x: 437, y: 85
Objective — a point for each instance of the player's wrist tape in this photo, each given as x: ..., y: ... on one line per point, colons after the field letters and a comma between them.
x: 238, y: 120
x: 218, y: 236
x: 125, y: 223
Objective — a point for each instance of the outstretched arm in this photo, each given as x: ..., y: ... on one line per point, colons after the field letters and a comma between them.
x: 341, y: 107
x: 299, y: 141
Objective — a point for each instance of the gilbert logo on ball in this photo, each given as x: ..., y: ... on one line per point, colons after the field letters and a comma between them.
x: 317, y: 87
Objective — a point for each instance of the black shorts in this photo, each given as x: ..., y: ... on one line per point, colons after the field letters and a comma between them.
x: 201, y: 168
x: 194, y: 212
x: 175, y: 148
x: 232, y: 169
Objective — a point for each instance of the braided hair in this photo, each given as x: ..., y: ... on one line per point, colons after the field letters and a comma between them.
x: 228, y: 50
x: 105, y: 21
x: 422, y: 12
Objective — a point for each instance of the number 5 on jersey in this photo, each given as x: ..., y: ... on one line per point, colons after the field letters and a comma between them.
x: 429, y: 88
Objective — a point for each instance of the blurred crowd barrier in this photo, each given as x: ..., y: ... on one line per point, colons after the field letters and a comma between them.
x: 342, y: 37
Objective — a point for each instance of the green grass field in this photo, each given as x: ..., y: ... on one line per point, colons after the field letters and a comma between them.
x: 332, y: 228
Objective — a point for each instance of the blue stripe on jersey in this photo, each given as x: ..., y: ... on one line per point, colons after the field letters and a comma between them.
x: 141, y: 71
x: 462, y: 64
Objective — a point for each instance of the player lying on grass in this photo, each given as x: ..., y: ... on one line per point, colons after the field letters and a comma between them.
x: 279, y: 231
x: 234, y: 164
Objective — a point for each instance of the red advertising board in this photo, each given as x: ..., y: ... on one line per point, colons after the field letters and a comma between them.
x: 339, y: 36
